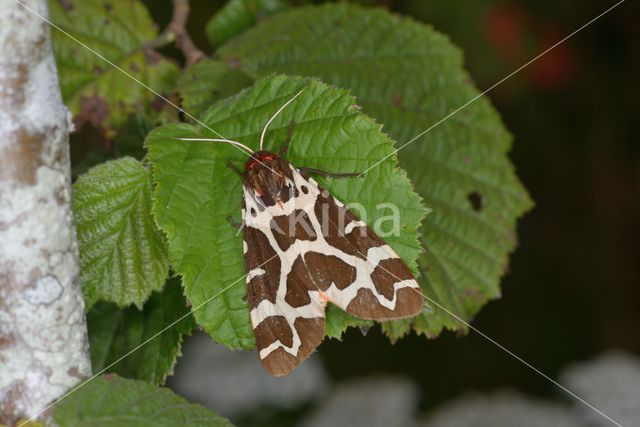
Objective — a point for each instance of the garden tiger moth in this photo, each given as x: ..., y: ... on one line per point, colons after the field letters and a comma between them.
x: 304, y: 248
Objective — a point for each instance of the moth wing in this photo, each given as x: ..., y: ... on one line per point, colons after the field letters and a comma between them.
x: 352, y: 266
x: 306, y: 251
x: 287, y: 312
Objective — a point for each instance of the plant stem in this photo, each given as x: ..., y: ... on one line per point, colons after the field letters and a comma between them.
x: 176, y: 31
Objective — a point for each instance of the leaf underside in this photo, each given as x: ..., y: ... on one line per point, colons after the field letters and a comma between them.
x: 196, y: 191
x: 410, y: 77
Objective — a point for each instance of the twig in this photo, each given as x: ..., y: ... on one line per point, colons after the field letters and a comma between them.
x: 176, y: 32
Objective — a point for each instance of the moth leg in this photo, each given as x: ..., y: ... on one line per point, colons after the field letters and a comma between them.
x: 285, y: 146
x: 330, y: 174
x: 233, y: 222
x: 235, y: 168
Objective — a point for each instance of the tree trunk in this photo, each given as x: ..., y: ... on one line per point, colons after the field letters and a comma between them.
x: 43, y: 335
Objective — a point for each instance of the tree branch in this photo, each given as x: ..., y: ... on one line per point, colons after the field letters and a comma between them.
x: 177, y: 31
x: 43, y: 335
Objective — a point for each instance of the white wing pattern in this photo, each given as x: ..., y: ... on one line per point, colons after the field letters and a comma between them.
x: 309, y: 250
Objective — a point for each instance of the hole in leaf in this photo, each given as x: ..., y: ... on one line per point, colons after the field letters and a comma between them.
x: 476, y: 201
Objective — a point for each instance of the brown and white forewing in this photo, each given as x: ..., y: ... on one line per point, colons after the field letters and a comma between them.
x: 355, y: 269
x: 287, y: 311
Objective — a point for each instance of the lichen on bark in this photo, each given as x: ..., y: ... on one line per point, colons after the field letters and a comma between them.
x: 43, y: 339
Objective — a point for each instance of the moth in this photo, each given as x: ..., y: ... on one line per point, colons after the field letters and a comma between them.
x: 302, y: 249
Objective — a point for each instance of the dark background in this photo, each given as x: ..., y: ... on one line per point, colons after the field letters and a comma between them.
x: 572, y: 291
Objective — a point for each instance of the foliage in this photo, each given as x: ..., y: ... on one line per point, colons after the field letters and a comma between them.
x: 209, y: 81
x: 121, y: 32
x: 111, y: 401
x: 410, y: 77
x: 152, y: 335
x: 239, y: 15
x: 122, y: 254
x: 166, y: 204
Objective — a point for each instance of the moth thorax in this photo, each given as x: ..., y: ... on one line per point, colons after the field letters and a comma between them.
x: 260, y: 158
x: 266, y: 174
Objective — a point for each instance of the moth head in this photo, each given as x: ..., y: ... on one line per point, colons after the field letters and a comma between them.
x: 266, y: 174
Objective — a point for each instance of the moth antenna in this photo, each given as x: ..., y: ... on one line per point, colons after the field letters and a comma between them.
x: 228, y: 141
x: 264, y: 129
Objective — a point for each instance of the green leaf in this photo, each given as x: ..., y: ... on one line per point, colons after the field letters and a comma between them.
x: 154, y: 334
x: 338, y: 320
x: 119, y: 30
x: 207, y: 82
x: 196, y: 191
x: 238, y: 15
x: 111, y: 401
x: 409, y: 77
x: 123, y: 256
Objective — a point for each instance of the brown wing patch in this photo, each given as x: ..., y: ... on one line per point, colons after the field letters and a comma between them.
x: 298, y: 285
x: 311, y: 332
x: 333, y: 220
x: 260, y: 254
x: 289, y: 228
x: 327, y: 269
x: 289, y: 191
x: 388, y: 272
x: 366, y: 306
x: 272, y: 329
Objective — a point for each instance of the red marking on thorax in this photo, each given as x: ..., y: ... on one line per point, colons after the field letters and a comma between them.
x: 258, y: 158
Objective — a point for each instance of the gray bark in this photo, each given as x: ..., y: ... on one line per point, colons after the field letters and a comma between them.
x: 43, y: 337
